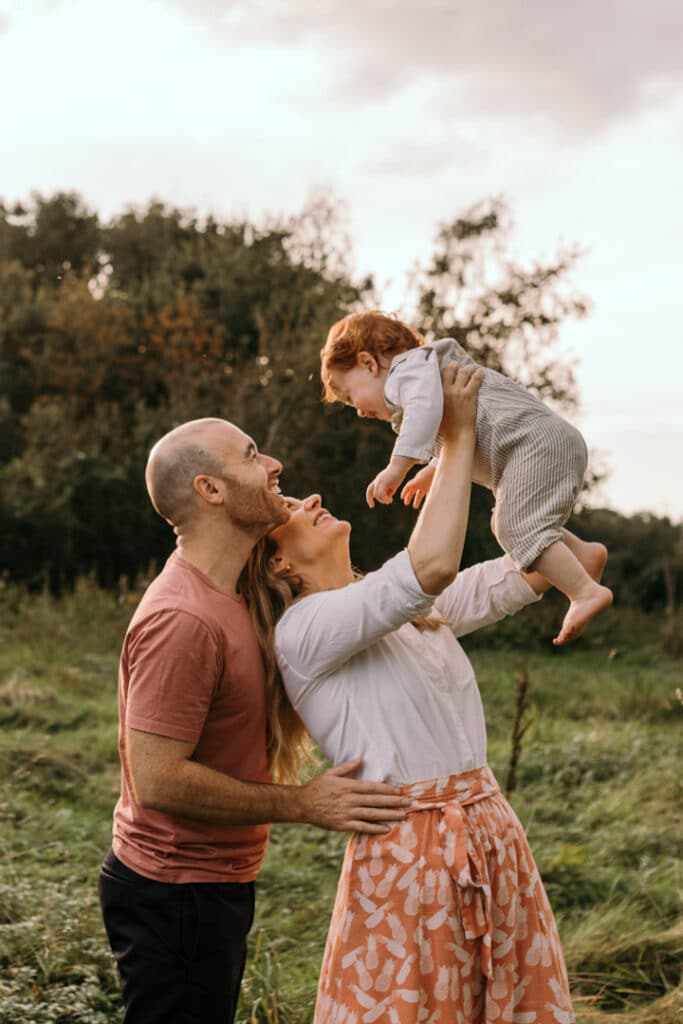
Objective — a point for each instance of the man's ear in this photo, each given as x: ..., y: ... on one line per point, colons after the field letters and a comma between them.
x: 207, y: 489
x: 368, y: 362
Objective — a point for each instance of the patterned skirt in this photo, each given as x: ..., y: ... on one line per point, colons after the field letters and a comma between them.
x: 444, y: 920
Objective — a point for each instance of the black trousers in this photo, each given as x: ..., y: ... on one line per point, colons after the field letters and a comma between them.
x: 180, y: 948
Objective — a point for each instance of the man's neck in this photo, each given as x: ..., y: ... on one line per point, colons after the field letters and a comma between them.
x: 221, y: 557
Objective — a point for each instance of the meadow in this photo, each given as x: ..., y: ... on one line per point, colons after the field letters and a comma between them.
x: 598, y: 790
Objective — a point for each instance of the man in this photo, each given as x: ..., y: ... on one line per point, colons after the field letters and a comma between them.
x: 190, y: 826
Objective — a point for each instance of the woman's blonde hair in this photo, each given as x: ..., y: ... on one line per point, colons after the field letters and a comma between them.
x: 373, y: 331
x: 288, y: 744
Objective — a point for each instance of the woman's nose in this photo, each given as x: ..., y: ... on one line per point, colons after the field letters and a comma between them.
x: 312, y: 501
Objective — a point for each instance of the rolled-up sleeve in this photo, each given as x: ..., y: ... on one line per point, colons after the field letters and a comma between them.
x: 483, y: 594
x: 322, y: 631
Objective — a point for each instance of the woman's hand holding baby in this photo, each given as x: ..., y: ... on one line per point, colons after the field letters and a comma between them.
x: 460, y: 389
x: 461, y: 385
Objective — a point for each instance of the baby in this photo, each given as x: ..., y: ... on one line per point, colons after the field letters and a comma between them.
x: 531, y: 458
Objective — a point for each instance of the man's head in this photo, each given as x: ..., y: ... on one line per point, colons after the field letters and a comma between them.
x: 208, y: 469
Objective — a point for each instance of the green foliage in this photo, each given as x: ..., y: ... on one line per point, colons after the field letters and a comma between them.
x: 598, y: 792
x: 112, y: 333
x: 506, y: 315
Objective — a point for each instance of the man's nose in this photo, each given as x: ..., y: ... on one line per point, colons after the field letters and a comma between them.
x: 273, y: 465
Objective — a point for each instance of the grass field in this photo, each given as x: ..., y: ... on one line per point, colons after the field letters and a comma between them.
x: 599, y: 791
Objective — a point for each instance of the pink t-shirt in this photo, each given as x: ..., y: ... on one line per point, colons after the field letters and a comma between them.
x: 191, y: 669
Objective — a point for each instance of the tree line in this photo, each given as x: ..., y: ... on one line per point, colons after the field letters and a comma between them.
x: 112, y: 332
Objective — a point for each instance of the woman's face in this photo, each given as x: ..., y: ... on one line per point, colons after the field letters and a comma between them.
x: 310, y: 533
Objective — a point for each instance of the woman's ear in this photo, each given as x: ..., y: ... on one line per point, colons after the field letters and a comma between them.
x: 278, y: 564
x: 368, y: 362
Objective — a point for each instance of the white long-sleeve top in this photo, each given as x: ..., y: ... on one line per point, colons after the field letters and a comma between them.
x: 367, y: 683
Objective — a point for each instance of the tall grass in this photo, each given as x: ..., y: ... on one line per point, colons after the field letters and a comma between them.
x: 598, y: 789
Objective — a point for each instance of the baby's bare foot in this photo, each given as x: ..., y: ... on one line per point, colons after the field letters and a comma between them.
x: 581, y: 612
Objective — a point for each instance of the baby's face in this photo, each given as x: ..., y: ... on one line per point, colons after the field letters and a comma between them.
x: 363, y: 388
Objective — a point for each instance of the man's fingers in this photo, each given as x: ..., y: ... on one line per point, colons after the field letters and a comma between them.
x: 379, y: 813
x: 376, y: 801
x: 367, y: 828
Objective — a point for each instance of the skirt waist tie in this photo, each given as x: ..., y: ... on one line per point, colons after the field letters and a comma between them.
x: 464, y: 855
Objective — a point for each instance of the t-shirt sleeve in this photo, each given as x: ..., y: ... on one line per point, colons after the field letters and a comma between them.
x: 483, y: 594
x: 325, y: 629
x: 174, y: 668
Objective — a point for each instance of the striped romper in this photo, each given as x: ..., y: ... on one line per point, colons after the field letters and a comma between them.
x: 532, y: 459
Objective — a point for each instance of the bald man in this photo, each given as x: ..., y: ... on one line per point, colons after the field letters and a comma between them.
x: 191, y: 824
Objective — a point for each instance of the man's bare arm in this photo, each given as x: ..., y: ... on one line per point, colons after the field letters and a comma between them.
x: 165, y: 778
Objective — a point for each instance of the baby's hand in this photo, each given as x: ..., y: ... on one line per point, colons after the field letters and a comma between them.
x: 385, y: 484
x: 415, y: 491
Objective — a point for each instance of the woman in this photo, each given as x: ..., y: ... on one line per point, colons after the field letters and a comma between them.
x: 444, y: 918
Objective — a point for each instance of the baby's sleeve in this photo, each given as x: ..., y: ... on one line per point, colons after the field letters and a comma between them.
x: 414, y: 385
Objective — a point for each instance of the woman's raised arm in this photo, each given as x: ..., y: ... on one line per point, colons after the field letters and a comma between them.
x: 436, y: 543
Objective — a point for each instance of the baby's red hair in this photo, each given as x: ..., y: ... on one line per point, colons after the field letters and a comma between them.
x: 373, y: 331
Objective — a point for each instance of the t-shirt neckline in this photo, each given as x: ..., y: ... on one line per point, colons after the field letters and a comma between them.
x: 191, y: 567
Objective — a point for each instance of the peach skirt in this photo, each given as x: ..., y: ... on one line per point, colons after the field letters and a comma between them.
x: 444, y: 919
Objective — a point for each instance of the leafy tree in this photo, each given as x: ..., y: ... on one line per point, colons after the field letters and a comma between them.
x: 112, y: 334
x: 52, y: 237
x: 507, y: 316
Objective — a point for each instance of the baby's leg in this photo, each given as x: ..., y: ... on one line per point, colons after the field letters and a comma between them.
x: 592, y: 555
x: 587, y: 597
x: 534, y: 499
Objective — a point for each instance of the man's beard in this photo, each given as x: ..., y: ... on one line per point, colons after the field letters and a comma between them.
x: 254, y: 508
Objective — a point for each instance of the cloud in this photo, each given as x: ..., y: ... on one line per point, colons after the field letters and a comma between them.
x: 410, y: 157
x: 581, y: 65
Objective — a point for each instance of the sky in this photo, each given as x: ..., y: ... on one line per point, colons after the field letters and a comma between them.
x: 407, y: 113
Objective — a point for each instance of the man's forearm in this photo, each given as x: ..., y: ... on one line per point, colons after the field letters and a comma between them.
x: 192, y: 790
